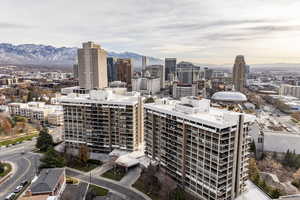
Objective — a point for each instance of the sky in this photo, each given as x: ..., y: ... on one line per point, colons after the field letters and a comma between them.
x: 200, y: 31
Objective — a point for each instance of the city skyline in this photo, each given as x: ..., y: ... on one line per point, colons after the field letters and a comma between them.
x: 202, y: 32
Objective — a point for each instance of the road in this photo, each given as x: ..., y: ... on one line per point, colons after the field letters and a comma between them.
x: 25, y: 165
x: 131, y: 194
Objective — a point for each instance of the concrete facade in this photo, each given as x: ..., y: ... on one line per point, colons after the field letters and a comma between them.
x: 157, y: 71
x: 92, y: 66
x: 104, y: 120
x: 204, y: 149
x: 180, y: 90
x: 146, y: 85
x: 124, y: 71
x: 239, y: 73
x: 289, y: 90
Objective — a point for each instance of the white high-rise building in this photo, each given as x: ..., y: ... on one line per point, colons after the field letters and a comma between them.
x: 204, y: 149
x: 106, y: 119
x: 92, y: 66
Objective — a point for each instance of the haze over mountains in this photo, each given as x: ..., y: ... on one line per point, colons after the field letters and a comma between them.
x: 47, y: 55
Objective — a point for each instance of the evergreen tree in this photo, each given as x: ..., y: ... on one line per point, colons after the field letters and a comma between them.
x: 52, y: 159
x: 44, y: 140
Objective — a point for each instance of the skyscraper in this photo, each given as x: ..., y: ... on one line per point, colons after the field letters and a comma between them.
x: 144, y: 63
x: 111, y: 69
x: 170, y: 67
x: 124, y: 71
x: 157, y: 71
x: 92, y: 66
x: 238, y: 74
x: 187, y: 73
x: 75, y: 71
x: 208, y: 73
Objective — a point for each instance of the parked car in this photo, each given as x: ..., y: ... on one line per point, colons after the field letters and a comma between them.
x: 18, y: 189
x: 25, y: 182
x: 11, y: 196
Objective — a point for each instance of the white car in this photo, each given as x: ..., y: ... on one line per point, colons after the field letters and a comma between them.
x: 18, y: 189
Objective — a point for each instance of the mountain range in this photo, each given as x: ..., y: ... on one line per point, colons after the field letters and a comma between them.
x: 46, y: 55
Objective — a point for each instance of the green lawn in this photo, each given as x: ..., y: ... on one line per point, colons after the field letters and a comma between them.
x: 98, y: 190
x: 14, y: 141
x: 91, y: 164
x: 7, y: 169
x: 117, y: 175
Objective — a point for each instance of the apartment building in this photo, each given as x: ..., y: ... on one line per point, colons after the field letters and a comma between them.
x: 146, y: 85
x: 56, y: 118
x: 204, y: 149
x: 104, y: 119
x: 289, y: 90
x: 183, y: 90
x: 34, y: 110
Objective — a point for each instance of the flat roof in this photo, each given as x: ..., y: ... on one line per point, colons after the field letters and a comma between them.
x: 215, y: 117
x: 102, y: 97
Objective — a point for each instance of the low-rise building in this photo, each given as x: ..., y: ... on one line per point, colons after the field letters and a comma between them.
x: 34, y: 110
x: 289, y: 90
x: 49, y: 185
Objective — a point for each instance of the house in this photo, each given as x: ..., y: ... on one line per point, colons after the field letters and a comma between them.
x: 49, y: 185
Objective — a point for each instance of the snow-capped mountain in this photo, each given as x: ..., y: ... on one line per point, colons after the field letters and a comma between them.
x: 48, y: 55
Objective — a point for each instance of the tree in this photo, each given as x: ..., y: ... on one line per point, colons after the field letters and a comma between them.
x: 84, y: 153
x: 275, y: 193
x: 52, y: 159
x: 44, y: 140
x: 149, y: 100
x: 1, y: 168
x: 253, y: 147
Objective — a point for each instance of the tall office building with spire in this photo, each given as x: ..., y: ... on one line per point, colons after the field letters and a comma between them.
x: 238, y: 74
x: 92, y: 66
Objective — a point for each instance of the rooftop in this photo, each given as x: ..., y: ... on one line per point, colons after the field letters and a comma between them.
x: 229, y: 96
x: 198, y: 111
x: 107, y: 96
x: 46, y: 181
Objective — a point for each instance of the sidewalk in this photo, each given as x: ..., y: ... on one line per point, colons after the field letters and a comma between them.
x: 131, y: 177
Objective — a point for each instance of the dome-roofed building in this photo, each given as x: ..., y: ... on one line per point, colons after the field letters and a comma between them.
x: 229, y: 97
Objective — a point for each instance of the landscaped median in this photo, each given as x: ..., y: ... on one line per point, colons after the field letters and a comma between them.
x: 17, y: 140
x: 5, y: 171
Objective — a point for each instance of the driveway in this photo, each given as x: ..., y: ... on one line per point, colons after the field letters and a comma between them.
x: 131, y: 177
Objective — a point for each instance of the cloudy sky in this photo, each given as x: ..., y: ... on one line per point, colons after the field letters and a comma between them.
x: 203, y: 31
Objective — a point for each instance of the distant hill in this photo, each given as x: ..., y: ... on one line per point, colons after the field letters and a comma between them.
x: 46, y: 55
